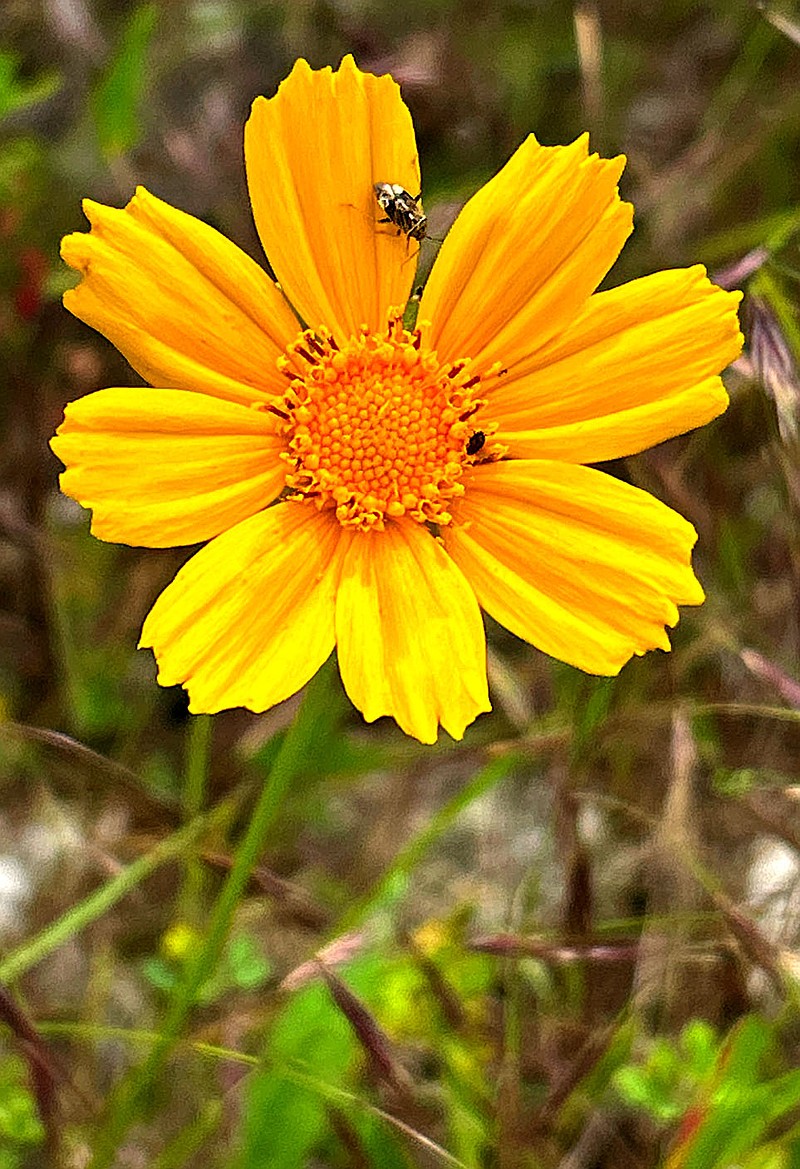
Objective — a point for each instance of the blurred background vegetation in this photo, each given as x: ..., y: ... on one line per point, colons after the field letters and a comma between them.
x: 568, y: 941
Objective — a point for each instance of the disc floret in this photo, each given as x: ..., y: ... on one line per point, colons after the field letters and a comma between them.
x: 378, y: 428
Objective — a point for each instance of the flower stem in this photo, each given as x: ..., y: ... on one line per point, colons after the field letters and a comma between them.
x: 198, y: 753
x: 126, y: 1104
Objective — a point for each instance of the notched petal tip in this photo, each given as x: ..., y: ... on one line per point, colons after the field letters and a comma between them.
x: 182, y: 303
x: 526, y: 252
x: 169, y: 467
x: 249, y: 619
x: 638, y: 365
x: 409, y: 633
x: 586, y: 568
x: 311, y: 182
x: 75, y: 252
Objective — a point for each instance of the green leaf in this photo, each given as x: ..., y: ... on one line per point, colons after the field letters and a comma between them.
x: 700, y: 1044
x: 249, y: 967
x: 16, y: 94
x: 283, y: 1120
x: 118, y: 98
x: 381, y: 1143
x: 19, y: 1120
x: 159, y: 973
x: 767, y: 1157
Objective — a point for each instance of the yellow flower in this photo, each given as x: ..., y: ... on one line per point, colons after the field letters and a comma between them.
x: 367, y: 485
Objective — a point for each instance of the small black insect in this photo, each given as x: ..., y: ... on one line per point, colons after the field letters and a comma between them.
x: 402, y: 209
x: 475, y: 442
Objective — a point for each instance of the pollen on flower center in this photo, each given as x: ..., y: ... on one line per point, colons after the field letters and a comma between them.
x: 378, y: 427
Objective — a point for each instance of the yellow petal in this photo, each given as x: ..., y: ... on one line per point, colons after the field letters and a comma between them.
x: 249, y: 619
x: 637, y: 366
x: 184, y: 305
x: 167, y: 467
x: 313, y: 153
x: 586, y: 568
x: 409, y: 633
x: 525, y: 253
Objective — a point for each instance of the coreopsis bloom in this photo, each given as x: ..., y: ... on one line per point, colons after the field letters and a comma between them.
x: 371, y: 484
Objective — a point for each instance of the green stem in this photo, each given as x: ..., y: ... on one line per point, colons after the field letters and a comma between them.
x: 19, y: 961
x: 393, y: 882
x: 126, y: 1104
x: 198, y: 753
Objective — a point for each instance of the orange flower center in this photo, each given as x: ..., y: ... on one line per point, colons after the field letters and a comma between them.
x: 380, y: 427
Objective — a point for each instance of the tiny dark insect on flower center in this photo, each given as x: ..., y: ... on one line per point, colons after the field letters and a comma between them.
x: 379, y: 428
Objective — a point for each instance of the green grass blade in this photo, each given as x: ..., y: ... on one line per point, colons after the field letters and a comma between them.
x: 19, y: 961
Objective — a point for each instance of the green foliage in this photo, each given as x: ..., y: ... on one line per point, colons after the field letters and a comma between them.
x: 672, y: 1073
x: 727, y: 1092
x: 118, y: 98
x: 18, y: 94
x: 311, y: 1056
x: 19, y: 159
x: 308, y: 1031
x: 20, y: 1128
x: 739, y: 781
x: 243, y: 965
